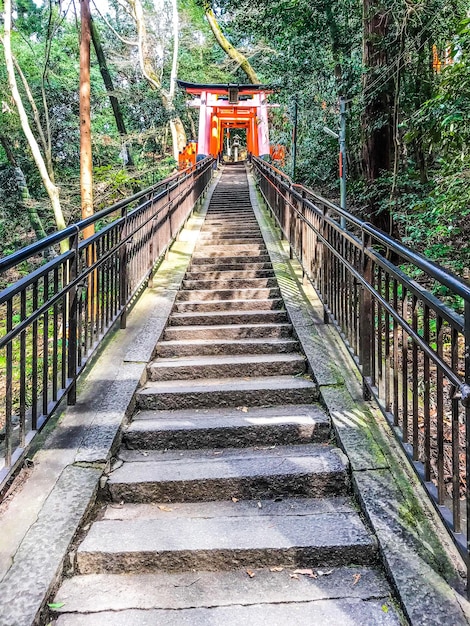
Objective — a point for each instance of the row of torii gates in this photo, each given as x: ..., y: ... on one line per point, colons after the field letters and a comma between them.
x: 223, y: 108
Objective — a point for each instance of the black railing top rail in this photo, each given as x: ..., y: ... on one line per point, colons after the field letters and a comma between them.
x: 437, y: 273
x: 46, y: 243
x: 444, y: 276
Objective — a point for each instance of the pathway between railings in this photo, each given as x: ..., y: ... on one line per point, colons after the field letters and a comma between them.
x: 250, y: 483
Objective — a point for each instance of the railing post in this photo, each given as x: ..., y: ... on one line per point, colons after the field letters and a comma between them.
x: 466, y: 403
x: 324, y: 266
x: 72, y: 316
x: 365, y: 339
x: 123, y: 273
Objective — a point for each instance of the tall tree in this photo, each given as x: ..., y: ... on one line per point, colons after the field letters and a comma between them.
x: 227, y: 47
x: 377, y: 98
x: 108, y: 81
x: 52, y: 190
x: 86, y: 161
x: 150, y: 73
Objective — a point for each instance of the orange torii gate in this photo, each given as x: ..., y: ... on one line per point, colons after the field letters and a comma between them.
x: 230, y: 106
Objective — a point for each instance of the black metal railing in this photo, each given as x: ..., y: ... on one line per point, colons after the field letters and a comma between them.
x: 53, y: 318
x: 407, y: 324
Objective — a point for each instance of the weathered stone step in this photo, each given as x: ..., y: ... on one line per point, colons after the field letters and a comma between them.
x: 209, y: 392
x: 229, y: 274
x: 219, y: 541
x: 231, y: 235
x: 245, y: 225
x: 305, y: 470
x: 228, y: 317
x: 223, y: 266
x: 233, y: 240
x: 246, y: 260
x: 217, y: 218
x: 95, y: 593
x: 222, y: 219
x: 227, y: 331
x: 202, y: 347
x: 225, y: 250
x: 230, y: 305
x: 199, y: 295
x: 225, y: 366
x: 345, y: 611
x: 221, y: 428
x: 231, y: 283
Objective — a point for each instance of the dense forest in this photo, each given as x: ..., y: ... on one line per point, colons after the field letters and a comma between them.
x: 403, y: 67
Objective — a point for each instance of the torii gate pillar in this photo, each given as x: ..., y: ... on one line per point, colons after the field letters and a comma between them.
x: 230, y: 106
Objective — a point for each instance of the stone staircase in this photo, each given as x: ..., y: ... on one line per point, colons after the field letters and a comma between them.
x: 228, y: 503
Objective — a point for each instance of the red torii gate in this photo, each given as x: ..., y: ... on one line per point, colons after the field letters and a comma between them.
x: 230, y: 106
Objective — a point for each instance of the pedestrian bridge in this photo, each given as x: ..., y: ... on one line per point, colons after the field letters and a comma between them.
x: 235, y: 402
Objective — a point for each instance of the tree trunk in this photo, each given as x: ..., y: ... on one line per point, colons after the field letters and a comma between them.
x: 227, y: 47
x: 52, y: 190
x: 176, y: 125
x: 86, y: 163
x: 108, y: 82
x: 28, y: 204
x: 376, y: 118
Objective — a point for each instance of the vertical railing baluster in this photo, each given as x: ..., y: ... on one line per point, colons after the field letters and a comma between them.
x: 427, y: 397
x: 366, y: 316
x: 72, y: 317
x: 415, y: 379
x: 440, y: 414
x: 404, y: 368
x: 455, y: 439
x: 8, y: 386
x: 22, y: 372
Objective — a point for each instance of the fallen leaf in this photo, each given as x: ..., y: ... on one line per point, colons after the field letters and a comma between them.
x: 162, y: 507
x: 295, y: 576
x: 244, y: 409
x: 234, y: 499
x: 55, y: 605
x: 306, y: 572
x: 250, y: 573
x: 321, y: 572
x: 357, y: 578
x: 384, y: 608
x: 276, y: 569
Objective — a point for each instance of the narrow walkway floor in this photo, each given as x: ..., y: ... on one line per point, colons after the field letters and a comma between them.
x: 228, y: 502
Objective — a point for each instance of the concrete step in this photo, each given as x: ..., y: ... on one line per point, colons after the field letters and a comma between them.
x: 229, y: 274
x: 207, y: 537
x: 226, y: 366
x: 231, y: 392
x: 225, y: 233
x: 332, y: 597
x: 228, y: 250
x: 221, y: 428
x: 345, y: 611
x: 233, y: 240
x: 228, y: 265
x: 230, y: 305
x: 228, y: 317
x: 234, y: 283
x: 227, y: 331
x: 222, y: 239
x: 306, y: 470
x: 246, y: 260
x: 227, y: 294
x: 201, y: 347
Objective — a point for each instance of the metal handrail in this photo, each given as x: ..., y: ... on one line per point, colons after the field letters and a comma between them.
x: 55, y: 317
x: 412, y: 349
